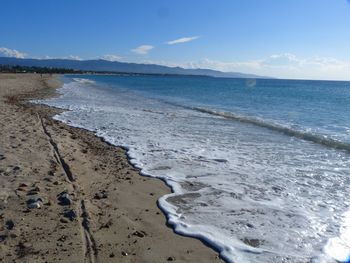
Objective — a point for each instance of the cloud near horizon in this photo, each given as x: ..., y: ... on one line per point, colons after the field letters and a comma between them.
x: 285, y: 65
x: 182, y: 40
x: 72, y: 57
x: 110, y: 57
x: 7, y: 52
x: 143, y: 49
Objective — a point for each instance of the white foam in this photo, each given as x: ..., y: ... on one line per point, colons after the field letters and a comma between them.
x: 83, y: 81
x: 339, y: 247
x: 253, y: 194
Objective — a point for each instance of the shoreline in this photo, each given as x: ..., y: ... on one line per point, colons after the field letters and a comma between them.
x: 114, y: 209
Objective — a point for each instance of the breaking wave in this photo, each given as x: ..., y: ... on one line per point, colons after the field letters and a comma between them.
x: 308, y: 136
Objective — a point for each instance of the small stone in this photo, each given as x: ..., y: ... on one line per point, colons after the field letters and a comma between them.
x: 2, y: 237
x: 64, y: 199
x: 71, y: 215
x: 9, y: 224
x: 124, y: 253
x: 34, y: 205
x: 35, y: 202
x: 100, y: 195
x: 64, y: 220
x: 139, y: 234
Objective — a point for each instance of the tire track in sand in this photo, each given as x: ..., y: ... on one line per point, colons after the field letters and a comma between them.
x: 90, y: 251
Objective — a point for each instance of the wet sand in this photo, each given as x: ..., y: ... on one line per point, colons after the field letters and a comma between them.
x: 66, y: 196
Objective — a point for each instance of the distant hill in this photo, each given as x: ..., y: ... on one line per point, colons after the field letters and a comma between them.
x: 119, y: 67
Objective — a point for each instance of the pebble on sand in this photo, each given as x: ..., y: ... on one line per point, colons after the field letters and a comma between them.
x: 35, y: 202
x: 64, y: 198
x: 9, y: 224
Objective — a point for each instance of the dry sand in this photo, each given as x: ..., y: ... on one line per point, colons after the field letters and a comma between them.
x: 112, y: 215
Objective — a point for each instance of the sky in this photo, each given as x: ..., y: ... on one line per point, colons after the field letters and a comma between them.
x: 303, y: 39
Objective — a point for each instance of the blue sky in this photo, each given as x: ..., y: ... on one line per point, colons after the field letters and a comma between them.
x: 280, y: 38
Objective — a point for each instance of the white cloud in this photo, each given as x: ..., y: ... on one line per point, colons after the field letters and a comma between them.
x: 74, y: 57
x: 7, y: 52
x: 182, y: 40
x: 143, y: 49
x: 316, y: 67
x: 223, y: 66
x: 110, y: 57
x: 283, y: 65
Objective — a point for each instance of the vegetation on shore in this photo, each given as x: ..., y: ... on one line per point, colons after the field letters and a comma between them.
x: 40, y: 70
x: 49, y: 70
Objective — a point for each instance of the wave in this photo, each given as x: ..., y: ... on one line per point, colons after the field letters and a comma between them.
x: 308, y: 136
x: 84, y: 81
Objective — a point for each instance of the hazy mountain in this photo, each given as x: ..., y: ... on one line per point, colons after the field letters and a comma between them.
x: 121, y: 67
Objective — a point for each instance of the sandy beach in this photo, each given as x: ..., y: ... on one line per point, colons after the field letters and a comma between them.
x: 67, y: 196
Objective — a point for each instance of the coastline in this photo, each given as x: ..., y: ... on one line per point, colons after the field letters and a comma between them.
x: 112, y: 213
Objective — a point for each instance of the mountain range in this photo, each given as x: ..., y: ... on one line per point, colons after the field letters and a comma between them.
x: 100, y: 65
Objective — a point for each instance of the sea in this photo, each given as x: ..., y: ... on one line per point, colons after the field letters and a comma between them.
x: 259, y: 169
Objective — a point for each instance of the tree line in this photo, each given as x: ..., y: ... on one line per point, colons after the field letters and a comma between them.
x: 40, y: 70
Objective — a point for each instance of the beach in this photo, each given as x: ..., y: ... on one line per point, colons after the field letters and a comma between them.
x: 67, y: 196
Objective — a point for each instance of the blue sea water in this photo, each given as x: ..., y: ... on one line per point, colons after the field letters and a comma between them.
x: 259, y: 168
x: 321, y: 107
